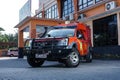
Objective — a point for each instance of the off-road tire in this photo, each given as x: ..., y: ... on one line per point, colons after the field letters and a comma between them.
x: 89, y: 56
x: 73, y: 59
x: 34, y: 62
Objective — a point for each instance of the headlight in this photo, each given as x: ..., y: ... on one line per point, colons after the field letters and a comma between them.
x: 28, y: 43
x: 63, y: 42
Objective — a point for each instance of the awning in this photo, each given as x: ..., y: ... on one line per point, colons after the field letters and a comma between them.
x: 106, y: 13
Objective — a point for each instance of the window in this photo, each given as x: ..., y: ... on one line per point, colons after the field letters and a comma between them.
x: 52, y: 12
x: 67, y: 7
x: 61, y: 33
x: 96, y: 1
x: 105, y: 31
x: 40, y: 15
x: 85, y: 3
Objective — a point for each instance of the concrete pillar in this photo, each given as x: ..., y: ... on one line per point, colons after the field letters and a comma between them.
x: 118, y: 24
x: 20, y: 44
x: 43, y: 14
x: 90, y: 23
x: 59, y: 8
x: 32, y: 30
x: 75, y: 9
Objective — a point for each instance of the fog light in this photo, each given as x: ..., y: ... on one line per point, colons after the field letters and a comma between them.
x: 59, y: 51
x: 49, y: 51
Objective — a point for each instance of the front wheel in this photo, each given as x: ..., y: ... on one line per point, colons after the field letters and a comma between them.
x: 34, y: 62
x: 73, y: 59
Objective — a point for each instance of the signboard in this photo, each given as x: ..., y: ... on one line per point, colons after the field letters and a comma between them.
x: 25, y: 10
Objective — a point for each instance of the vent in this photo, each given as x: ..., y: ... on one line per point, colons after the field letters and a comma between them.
x: 110, y: 5
x: 81, y: 16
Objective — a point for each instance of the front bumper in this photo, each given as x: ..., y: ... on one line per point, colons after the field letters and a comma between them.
x: 52, y: 53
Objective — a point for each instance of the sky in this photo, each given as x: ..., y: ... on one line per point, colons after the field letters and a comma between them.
x: 9, y: 14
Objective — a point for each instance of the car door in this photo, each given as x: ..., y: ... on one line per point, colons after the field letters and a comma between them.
x: 82, y: 42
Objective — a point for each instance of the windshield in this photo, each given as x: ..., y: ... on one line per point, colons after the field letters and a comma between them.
x: 61, y: 33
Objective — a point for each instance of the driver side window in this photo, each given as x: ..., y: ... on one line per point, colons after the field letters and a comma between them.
x: 80, y: 35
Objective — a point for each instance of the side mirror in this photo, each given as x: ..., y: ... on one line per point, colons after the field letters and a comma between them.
x: 80, y: 36
x: 48, y: 35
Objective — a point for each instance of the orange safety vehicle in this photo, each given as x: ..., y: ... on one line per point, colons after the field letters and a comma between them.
x: 66, y: 43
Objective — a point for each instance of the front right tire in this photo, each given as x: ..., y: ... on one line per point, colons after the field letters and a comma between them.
x: 34, y: 62
x: 73, y: 59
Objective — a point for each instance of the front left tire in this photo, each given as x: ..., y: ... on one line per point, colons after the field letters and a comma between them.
x: 34, y: 62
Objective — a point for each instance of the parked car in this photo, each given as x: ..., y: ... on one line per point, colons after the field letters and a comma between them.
x: 12, y: 52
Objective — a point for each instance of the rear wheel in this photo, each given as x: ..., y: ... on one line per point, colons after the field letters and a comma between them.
x: 89, y: 56
x: 35, y: 62
x: 73, y: 59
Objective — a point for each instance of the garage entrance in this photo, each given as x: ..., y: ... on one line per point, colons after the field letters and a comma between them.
x: 105, y: 32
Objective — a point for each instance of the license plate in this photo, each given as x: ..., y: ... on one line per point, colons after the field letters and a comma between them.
x: 41, y: 55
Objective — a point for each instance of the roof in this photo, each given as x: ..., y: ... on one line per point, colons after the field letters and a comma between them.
x: 27, y: 19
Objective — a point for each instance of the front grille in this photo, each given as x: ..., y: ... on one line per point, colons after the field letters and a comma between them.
x: 45, y: 44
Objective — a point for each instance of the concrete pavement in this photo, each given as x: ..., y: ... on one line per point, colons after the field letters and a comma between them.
x: 18, y: 69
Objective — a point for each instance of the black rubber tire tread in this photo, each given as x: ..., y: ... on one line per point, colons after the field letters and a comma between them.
x: 68, y: 61
x: 34, y: 62
x: 89, y: 57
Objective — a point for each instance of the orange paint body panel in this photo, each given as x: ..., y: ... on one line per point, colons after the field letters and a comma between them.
x: 82, y: 44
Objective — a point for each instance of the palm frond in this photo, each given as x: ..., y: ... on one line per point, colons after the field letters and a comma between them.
x: 1, y: 29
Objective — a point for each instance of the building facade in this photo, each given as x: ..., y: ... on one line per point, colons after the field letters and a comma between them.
x: 28, y: 9
x: 102, y: 16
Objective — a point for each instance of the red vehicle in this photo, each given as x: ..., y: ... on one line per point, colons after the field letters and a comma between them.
x: 66, y: 43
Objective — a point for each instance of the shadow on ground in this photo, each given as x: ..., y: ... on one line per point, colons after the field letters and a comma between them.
x: 22, y: 63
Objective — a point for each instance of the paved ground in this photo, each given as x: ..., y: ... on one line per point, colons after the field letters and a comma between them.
x: 18, y: 69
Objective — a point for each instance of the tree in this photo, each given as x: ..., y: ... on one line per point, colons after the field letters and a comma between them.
x: 1, y: 29
x: 9, y: 39
x: 4, y: 38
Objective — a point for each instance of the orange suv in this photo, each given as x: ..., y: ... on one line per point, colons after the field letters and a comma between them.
x: 66, y: 43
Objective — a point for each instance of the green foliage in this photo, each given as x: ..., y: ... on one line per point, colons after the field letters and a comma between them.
x: 1, y: 29
x: 8, y: 38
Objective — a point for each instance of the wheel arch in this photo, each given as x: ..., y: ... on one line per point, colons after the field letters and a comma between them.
x: 73, y: 45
